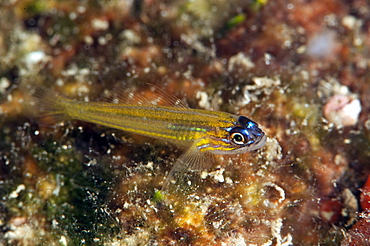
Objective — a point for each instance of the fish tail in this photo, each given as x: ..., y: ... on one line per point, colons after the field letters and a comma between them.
x: 50, y: 106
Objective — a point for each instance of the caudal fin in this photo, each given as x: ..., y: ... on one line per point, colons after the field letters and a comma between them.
x: 49, y: 105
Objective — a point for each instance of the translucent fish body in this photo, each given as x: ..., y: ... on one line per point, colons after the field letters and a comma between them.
x: 201, y: 132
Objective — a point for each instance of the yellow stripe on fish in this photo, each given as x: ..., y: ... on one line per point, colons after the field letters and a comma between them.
x: 202, y: 132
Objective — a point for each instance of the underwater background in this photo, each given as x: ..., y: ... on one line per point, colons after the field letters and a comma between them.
x: 298, y: 68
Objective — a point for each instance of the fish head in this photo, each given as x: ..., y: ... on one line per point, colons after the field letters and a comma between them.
x: 244, y: 135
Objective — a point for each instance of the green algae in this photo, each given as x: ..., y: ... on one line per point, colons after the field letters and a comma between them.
x: 35, y: 8
x: 71, y: 197
x: 236, y: 20
x: 258, y: 4
x: 79, y: 207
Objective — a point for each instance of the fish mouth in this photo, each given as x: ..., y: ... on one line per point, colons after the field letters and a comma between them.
x: 258, y: 144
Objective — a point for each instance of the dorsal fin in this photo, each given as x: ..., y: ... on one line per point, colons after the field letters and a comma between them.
x: 126, y: 95
x: 131, y: 96
x: 169, y: 99
x: 123, y: 94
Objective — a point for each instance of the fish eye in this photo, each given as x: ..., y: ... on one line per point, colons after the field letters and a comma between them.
x: 237, y: 138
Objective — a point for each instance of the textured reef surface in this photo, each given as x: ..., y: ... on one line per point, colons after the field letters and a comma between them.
x: 298, y: 68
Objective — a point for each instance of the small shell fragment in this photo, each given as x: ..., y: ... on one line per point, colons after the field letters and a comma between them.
x: 342, y: 110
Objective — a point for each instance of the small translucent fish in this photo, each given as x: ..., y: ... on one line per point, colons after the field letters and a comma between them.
x: 201, y: 133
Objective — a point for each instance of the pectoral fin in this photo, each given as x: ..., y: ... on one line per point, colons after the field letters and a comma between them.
x: 192, y: 161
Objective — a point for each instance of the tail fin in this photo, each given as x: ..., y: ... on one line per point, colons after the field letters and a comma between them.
x: 50, y: 106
